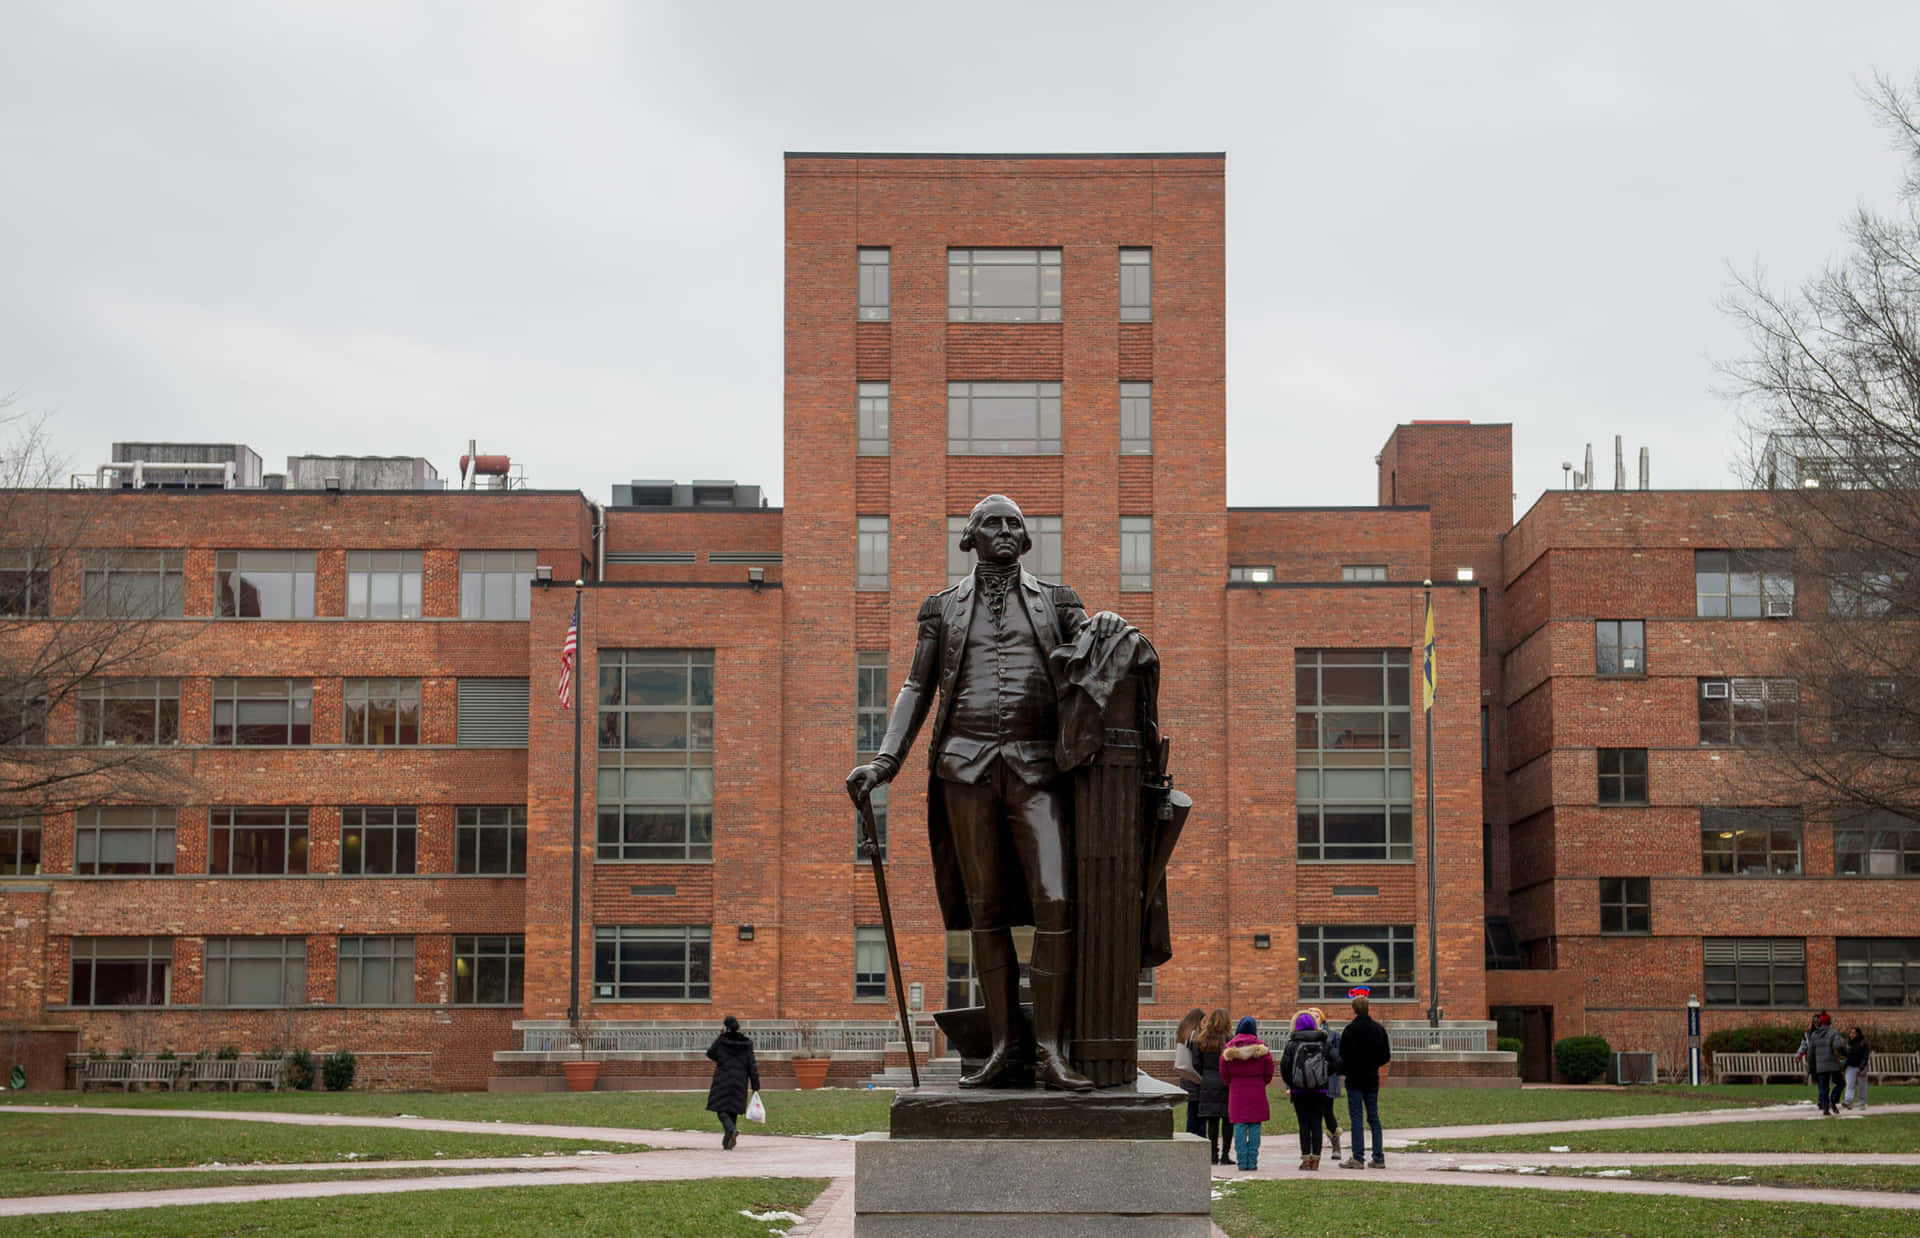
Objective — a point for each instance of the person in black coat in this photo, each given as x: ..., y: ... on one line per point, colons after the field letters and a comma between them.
x: 736, y: 1077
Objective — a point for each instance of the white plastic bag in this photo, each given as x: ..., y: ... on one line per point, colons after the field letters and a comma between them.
x: 756, y: 1109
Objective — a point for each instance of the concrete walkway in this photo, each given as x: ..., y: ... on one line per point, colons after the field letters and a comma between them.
x: 682, y: 1155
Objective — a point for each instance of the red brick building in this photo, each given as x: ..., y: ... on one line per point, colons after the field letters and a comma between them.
x: 391, y: 869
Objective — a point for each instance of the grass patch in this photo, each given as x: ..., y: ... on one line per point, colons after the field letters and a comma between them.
x: 41, y: 1143
x: 708, y: 1209
x: 22, y: 1185
x: 1814, y: 1177
x: 1276, y: 1209
x: 1893, y: 1132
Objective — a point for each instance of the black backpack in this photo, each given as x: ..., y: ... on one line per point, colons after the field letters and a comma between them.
x: 1310, y: 1066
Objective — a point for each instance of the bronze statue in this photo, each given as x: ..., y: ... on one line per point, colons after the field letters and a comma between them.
x: 1025, y: 679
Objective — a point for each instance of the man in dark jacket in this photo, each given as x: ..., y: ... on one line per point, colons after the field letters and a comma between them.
x: 1364, y: 1052
x: 736, y: 1077
x: 1825, y: 1052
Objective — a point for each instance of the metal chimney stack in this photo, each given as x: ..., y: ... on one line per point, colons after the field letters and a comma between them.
x: 1619, y: 464
x: 1646, y: 470
x: 1586, y: 470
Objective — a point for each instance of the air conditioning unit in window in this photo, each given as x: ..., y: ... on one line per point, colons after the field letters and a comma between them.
x: 1779, y: 608
x: 1714, y: 690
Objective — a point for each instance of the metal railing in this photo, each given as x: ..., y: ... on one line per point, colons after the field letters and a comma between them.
x: 695, y: 1037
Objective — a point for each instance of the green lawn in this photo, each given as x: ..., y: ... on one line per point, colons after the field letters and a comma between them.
x: 709, y: 1209
x: 1381, y: 1210
x: 1892, y: 1132
x: 1820, y: 1177
x: 21, y: 1185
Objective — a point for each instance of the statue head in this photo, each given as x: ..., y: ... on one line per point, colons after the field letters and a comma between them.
x: 1006, y: 511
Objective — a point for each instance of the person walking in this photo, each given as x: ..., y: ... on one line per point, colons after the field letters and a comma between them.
x: 1825, y: 1051
x: 1365, y: 1050
x: 1247, y: 1066
x: 1333, y: 1081
x: 1857, y: 1053
x: 1210, y: 1095
x: 1305, y: 1065
x: 1183, y: 1067
x: 736, y: 1076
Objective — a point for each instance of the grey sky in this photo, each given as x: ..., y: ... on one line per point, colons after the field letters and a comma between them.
x: 387, y: 228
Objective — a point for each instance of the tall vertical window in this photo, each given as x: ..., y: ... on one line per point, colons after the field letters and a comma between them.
x: 870, y: 726
x: 134, y: 584
x: 384, y: 584
x: 496, y: 584
x: 1745, y: 712
x: 121, y: 971
x: 1755, y: 971
x: 875, y: 418
x: 869, y: 964
x: 1619, y: 647
x: 1353, y: 780
x: 26, y: 585
x: 256, y: 971
x: 123, y: 842
x: 1875, y: 844
x: 257, y: 842
x: 1136, y: 285
x: 1003, y: 285
x: 490, y: 841
x: 382, y: 711
x: 1045, y: 558
x: 876, y: 285
x: 1879, y: 971
x: 870, y: 568
x: 489, y: 970
x: 1335, y: 957
x: 1136, y: 419
x: 263, y: 712
x: 20, y: 846
x: 129, y: 711
x: 1623, y: 775
x: 1003, y: 419
x: 635, y: 963
x: 1750, y: 842
x: 264, y: 584
x: 1626, y: 905
x: 1136, y: 554
x: 378, y: 842
x: 655, y: 788
x: 375, y: 971
x: 1742, y: 584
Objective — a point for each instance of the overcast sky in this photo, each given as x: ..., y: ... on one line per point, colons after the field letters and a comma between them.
x: 556, y: 228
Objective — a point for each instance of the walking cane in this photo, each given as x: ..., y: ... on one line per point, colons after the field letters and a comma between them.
x: 870, y: 847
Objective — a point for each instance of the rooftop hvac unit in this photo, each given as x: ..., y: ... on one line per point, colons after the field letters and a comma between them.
x: 1779, y: 608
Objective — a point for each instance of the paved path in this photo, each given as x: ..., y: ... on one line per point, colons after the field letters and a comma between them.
x: 682, y: 1155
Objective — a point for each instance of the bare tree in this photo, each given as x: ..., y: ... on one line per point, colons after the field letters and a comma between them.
x: 1831, y: 395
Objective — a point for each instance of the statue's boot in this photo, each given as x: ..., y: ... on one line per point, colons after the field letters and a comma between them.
x: 999, y: 973
x: 1052, y: 953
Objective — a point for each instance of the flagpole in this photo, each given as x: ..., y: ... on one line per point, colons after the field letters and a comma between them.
x: 573, y: 975
x: 1433, y: 866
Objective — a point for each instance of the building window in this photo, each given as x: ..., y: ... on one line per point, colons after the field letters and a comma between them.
x: 1879, y: 971
x: 1876, y: 844
x: 384, y: 584
x: 129, y: 711
x: 870, y: 570
x: 1250, y: 575
x: 1623, y: 775
x: 257, y: 842
x: 1859, y: 589
x: 20, y: 846
x: 869, y: 965
x: 121, y: 971
x: 135, y: 584
x: 1750, y: 842
x: 123, y: 842
x: 875, y: 419
x: 1045, y: 558
x: 870, y: 726
x: 1136, y: 554
x: 491, y: 713
x: 276, y: 713
x: 1003, y: 285
x: 1353, y: 750
x: 1335, y: 957
x: 1351, y: 573
x: 1756, y: 971
x: 264, y: 584
x: 1749, y: 713
x: 378, y: 842
x: 490, y: 841
x: 1869, y: 713
x: 1145, y: 994
x: 655, y: 789
x: 489, y: 970
x: 26, y: 585
x: 375, y: 971
x: 1742, y: 584
x: 382, y: 712
x: 876, y: 285
x: 1003, y: 419
x: 1626, y: 905
x: 1619, y: 647
x: 256, y: 971
x: 961, y: 987
x: 1136, y: 285
x: 496, y: 584
x: 633, y: 963
x: 1136, y: 419
x: 23, y: 715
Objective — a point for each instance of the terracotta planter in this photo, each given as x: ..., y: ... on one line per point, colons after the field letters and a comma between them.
x: 811, y: 1072
x: 580, y: 1075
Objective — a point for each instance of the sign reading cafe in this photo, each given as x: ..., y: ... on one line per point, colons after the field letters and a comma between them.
x: 1356, y: 964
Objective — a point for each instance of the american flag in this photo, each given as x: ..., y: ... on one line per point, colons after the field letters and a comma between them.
x: 569, y: 650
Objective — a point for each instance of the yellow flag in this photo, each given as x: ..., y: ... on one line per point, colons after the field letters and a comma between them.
x: 1426, y: 665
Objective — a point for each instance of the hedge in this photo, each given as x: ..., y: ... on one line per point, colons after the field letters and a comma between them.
x: 1782, y: 1038
x: 1582, y: 1059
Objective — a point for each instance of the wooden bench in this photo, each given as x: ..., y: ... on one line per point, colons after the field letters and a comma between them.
x: 236, y: 1071
x: 126, y: 1072
x: 1894, y: 1066
x: 1761, y: 1066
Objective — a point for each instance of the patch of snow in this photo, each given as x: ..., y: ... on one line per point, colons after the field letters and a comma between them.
x: 1741, y: 1178
x: 351, y: 1156
x: 1497, y: 1167
x: 1614, y: 1173
x: 751, y: 1215
x: 1559, y: 1148
x: 414, y: 1116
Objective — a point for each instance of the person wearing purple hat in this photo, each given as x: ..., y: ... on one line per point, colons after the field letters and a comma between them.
x: 1307, y: 1066
x: 1247, y: 1066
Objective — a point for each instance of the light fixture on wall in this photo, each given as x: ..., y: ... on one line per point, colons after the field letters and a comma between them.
x: 756, y: 576
x: 543, y: 572
x: 1262, y: 941
x: 746, y: 932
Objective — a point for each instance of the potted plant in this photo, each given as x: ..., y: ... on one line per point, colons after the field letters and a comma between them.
x: 582, y: 1072
x: 809, y: 1063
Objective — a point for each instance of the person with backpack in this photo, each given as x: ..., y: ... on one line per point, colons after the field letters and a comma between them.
x: 1306, y: 1065
x: 1365, y: 1051
x: 1247, y: 1066
x: 1333, y: 1084
x: 1210, y: 1096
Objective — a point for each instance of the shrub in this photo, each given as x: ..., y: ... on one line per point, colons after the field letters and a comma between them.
x: 1760, y: 1038
x: 1515, y: 1046
x: 1582, y: 1059
x: 227, y: 1053
x: 337, y: 1070
x: 300, y: 1070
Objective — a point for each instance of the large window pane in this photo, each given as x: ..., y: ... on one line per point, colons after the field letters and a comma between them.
x: 256, y: 971
x: 1353, y: 785
x: 1336, y: 957
x: 496, y: 584
x: 264, y: 584
x: 384, y: 584
x: 489, y: 970
x: 633, y: 963
x: 490, y: 841
x: 123, y: 841
x: 986, y: 419
x: 655, y: 791
x: 121, y: 971
x: 1003, y: 285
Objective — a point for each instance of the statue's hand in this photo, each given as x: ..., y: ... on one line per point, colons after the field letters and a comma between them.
x: 864, y: 778
x: 1107, y: 625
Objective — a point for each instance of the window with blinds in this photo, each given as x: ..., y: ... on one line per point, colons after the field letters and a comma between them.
x: 492, y: 713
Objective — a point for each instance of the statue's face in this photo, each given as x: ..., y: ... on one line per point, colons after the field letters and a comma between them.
x: 998, y: 537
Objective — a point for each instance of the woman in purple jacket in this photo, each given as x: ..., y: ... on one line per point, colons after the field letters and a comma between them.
x: 1247, y: 1066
